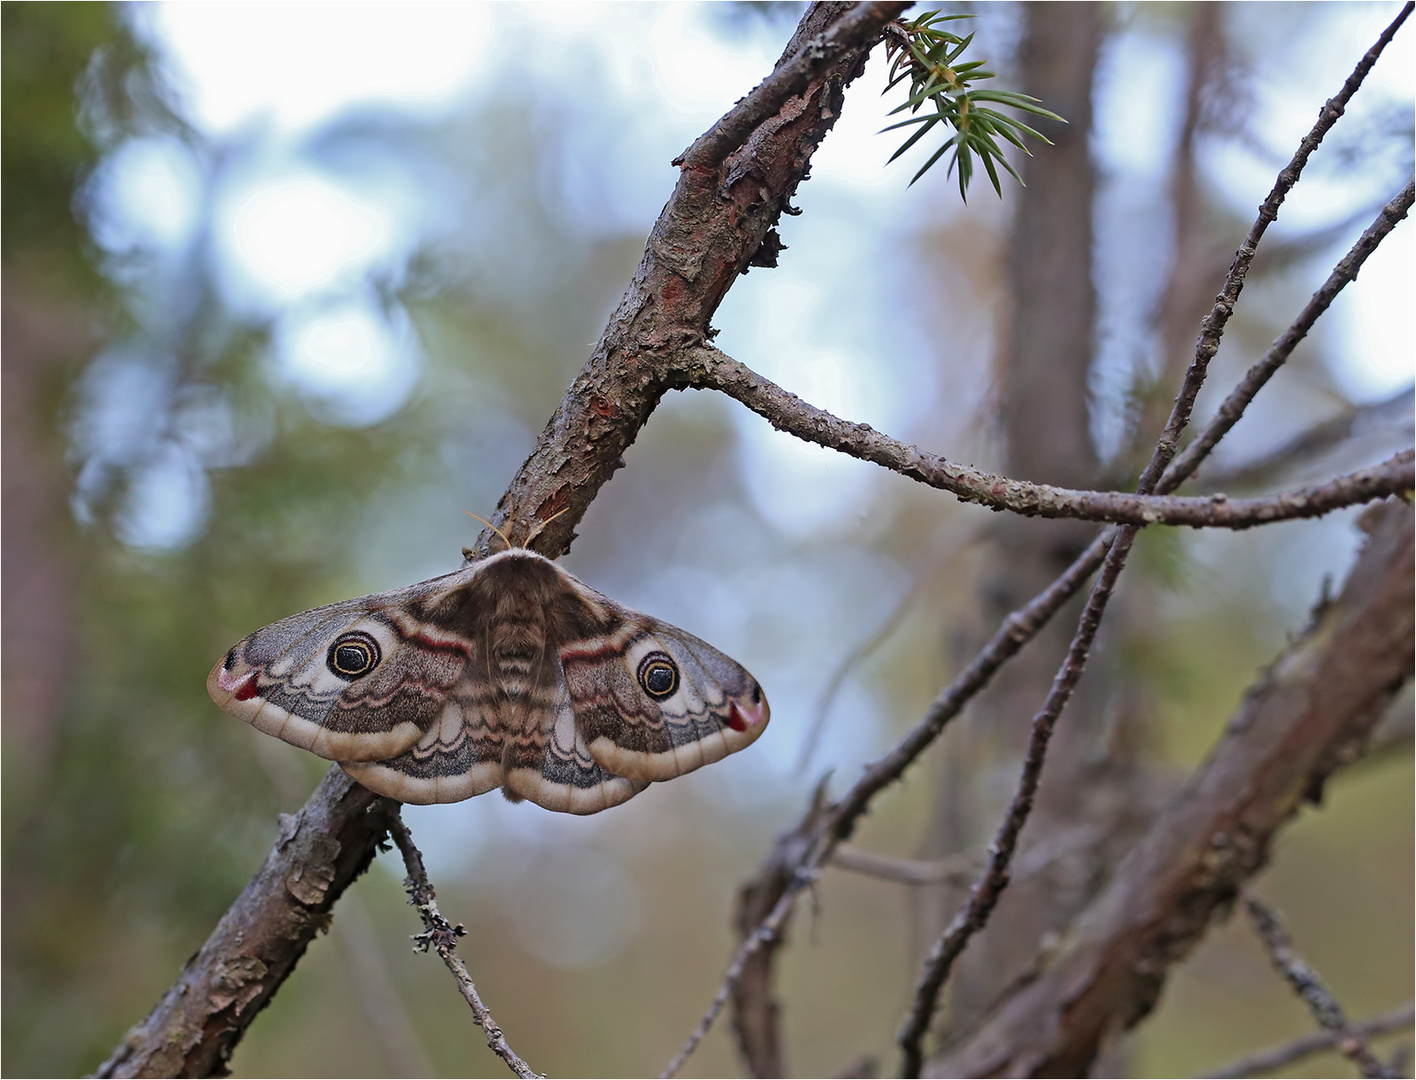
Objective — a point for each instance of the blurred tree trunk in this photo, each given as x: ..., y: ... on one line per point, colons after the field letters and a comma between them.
x: 49, y: 326
x: 1044, y: 362
x: 1198, y: 260
x: 37, y: 623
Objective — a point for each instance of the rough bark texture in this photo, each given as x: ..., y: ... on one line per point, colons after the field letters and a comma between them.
x: 787, y: 412
x: 1312, y: 711
x: 706, y: 236
x: 320, y: 851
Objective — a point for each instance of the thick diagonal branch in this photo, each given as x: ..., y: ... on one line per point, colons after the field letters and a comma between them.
x: 194, y: 1029
x: 706, y: 235
x: 864, y: 22
x: 1310, y: 713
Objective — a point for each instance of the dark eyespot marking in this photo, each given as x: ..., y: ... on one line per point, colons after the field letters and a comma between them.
x: 353, y: 655
x: 658, y: 675
x: 230, y: 661
x: 756, y: 694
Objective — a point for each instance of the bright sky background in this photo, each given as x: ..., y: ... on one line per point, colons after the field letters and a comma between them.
x: 293, y: 237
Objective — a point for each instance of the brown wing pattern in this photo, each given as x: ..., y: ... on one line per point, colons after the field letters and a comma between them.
x: 510, y: 672
x: 715, y: 708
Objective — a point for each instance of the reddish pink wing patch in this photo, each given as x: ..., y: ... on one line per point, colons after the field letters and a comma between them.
x: 242, y: 689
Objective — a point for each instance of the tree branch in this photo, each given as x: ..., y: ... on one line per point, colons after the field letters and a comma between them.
x: 863, y: 23
x: 193, y: 1030
x: 1276, y: 1057
x: 840, y: 821
x: 1214, y: 324
x: 990, y: 885
x: 787, y: 412
x: 1305, y: 982
x: 1311, y: 712
x: 441, y: 935
x: 1355, y: 421
x: 1254, y: 380
x: 704, y: 239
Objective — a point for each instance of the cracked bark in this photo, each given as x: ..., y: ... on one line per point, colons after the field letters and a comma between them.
x: 198, y: 1023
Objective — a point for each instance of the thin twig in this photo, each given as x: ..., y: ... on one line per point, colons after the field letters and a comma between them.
x: 990, y: 885
x: 1306, y: 984
x: 1016, y: 630
x: 441, y: 936
x: 1023, y: 624
x: 959, y: 869
x: 1213, y: 326
x: 788, y: 413
x: 1391, y: 414
x: 1276, y: 1057
x: 1255, y: 378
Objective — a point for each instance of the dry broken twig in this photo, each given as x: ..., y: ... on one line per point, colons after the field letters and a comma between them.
x: 1306, y: 984
x: 441, y: 936
x: 1276, y: 1057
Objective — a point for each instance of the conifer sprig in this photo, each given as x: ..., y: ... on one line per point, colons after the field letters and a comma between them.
x: 928, y: 56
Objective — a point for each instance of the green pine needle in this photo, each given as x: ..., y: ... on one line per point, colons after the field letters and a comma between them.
x: 927, y: 55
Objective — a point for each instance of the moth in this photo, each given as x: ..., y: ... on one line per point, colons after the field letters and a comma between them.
x: 507, y: 673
